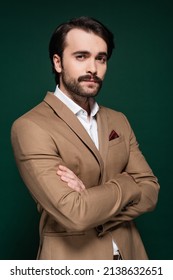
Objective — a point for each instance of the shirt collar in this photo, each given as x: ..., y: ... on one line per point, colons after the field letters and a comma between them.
x: 75, y: 108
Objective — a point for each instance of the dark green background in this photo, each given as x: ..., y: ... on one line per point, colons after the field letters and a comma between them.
x: 138, y: 82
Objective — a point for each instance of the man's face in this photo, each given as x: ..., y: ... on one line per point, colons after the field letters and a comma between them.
x: 83, y: 65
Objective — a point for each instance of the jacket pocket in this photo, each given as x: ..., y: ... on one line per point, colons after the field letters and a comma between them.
x: 116, y: 141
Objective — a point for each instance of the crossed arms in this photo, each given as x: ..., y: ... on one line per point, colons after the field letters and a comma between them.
x: 63, y: 195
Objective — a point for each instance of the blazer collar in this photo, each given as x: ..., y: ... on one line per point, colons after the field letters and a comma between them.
x: 74, y: 124
x: 74, y: 107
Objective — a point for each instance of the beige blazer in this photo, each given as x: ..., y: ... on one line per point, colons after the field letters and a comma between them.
x: 120, y: 185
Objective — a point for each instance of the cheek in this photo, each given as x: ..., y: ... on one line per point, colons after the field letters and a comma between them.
x: 73, y: 69
x: 102, y: 72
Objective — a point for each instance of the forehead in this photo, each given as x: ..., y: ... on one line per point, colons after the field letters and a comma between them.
x: 78, y: 39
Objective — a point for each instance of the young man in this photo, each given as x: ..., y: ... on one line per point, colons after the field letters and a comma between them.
x: 81, y: 161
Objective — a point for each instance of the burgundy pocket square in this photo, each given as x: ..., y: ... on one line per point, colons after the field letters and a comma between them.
x: 113, y: 135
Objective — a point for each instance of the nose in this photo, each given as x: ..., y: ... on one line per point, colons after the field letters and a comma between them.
x: 92, y: 67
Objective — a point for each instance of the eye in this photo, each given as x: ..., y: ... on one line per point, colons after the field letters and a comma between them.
x: 102, y: 59
x: 80, y: 57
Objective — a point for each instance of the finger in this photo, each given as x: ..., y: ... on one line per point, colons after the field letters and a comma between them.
x: 62, y: 167
x: 67, y: 174
x: 81, y: 184
x: 65, y: 169
x: 69, y: 177
x: 64, y: 178
x: 75, y: 187
x: 73, y: 183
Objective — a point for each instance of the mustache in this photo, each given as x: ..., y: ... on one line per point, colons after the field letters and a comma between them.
x: 90, y: 77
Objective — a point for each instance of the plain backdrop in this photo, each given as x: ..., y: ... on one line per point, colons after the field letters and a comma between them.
x: 138, y: 83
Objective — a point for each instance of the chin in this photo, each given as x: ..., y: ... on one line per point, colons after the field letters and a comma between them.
x: 91, y: 91
x: 90, y: 94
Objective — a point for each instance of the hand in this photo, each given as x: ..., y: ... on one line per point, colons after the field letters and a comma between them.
x: 70, y: 178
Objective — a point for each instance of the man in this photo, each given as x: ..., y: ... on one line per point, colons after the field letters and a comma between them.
x: 81, y: 161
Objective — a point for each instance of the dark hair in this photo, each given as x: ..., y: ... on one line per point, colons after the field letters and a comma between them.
x: 88, y: 24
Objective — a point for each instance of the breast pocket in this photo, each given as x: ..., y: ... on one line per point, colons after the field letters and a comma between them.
x: 117, y: 157
x: 116, y: 141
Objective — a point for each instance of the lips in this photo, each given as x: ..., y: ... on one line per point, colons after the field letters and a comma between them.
x: 91, y: 81
x: 88, y: 78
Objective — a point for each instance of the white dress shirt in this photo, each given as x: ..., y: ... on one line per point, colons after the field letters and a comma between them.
x: 89, y: 123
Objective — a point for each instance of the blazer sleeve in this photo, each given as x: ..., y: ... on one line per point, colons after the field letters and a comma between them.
x: 138, y: 169
x: 37, y: 158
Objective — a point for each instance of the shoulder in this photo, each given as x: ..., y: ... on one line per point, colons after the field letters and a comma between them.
x: 37, y: 115
x: 28, y: 117
x: 30, y: 130
x: 114, y: 115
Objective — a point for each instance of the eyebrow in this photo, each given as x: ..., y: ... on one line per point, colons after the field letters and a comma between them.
x: 103, y: 54
x: 87, y: 52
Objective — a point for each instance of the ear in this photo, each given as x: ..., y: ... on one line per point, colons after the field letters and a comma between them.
x: 57, y: 63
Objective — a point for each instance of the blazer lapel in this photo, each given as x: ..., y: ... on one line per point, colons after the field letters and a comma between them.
x: 102, y: 124
x: 74, y: 124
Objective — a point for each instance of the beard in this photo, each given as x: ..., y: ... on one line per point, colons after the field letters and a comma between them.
x: 75, y: 88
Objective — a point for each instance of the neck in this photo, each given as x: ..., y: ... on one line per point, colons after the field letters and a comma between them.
x: 82, y: 101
